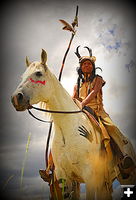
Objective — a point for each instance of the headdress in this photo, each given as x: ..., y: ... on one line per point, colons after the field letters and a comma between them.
x: 83, y: 58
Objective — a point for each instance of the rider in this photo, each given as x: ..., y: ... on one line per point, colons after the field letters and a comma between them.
x: 88, y: 91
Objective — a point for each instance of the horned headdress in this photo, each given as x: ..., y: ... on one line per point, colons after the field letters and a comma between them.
x: 83, y: 58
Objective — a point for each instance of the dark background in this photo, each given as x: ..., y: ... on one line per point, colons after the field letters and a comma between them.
x: 26, y: 27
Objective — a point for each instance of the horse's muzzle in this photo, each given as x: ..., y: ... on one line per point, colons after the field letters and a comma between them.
x: 20, y: 102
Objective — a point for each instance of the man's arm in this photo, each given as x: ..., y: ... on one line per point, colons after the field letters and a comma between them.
x: 93, y: 93
x: 75, y: 96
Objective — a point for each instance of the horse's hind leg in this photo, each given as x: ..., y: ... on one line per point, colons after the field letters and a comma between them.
x: 90, y: 191
x: 103, y: 193
x: 97, y: 192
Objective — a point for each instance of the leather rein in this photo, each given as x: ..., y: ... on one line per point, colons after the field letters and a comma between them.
x: 57, y: 111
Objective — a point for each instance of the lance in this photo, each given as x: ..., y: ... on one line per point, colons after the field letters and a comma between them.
x: 71, y: 28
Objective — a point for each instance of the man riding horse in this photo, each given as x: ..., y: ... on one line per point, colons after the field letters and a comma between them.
x: 88, y: 96
x: 88, y: 91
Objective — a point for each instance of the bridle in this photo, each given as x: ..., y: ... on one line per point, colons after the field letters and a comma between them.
x: 50, y: 122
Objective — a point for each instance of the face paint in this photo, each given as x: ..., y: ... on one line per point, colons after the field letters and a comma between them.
x: 33, y: 81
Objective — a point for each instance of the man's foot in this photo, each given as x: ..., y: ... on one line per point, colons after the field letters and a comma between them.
x: 126, y: 166
x: 127, y: 162
x: 45, y: 176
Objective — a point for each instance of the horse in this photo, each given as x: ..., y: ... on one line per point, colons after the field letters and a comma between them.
x: 76, y: 145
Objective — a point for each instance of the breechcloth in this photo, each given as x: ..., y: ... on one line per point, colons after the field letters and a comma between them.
x: 111, y: 135
x: 113, y: 131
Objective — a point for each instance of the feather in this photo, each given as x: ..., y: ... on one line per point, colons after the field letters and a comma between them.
x: 67, y: 26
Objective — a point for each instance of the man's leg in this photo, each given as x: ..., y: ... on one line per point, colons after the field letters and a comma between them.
x: 122, y: 145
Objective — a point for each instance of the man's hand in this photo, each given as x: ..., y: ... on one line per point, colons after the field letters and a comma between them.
x: 80, y: 99
x: 83, y: 104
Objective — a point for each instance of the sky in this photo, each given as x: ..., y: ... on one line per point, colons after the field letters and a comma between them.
x: 108, y: 27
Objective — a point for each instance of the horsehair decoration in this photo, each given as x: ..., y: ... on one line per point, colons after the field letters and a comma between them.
x: 90, y: 57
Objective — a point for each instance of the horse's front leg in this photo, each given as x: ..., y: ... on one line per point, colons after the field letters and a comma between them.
x: 65, y: 184
x: 75, y: 190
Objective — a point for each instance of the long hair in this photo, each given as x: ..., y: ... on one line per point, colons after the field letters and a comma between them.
x: 81, y: 79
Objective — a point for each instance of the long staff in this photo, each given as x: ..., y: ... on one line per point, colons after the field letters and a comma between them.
x: 71, y: 28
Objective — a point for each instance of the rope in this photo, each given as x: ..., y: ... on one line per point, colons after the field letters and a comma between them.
x: 48, y: 138
x: 47, y: 144
x: 37, y: 117
x: 56, y: 111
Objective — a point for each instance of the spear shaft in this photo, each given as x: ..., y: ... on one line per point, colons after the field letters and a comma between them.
x: 72, y: 36
x: 63, y: 62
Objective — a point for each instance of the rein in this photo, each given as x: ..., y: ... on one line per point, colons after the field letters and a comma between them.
x: 57, y: 111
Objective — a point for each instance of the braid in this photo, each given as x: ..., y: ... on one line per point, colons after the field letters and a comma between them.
x: 80, y: 77
x: 78, y: 86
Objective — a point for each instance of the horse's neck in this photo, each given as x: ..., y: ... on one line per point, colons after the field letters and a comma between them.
x: 61, y: 101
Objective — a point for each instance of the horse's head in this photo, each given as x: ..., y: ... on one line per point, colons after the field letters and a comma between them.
x: 34, y: 86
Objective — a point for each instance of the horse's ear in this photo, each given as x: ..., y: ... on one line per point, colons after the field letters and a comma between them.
x: 43, y: 57
x: 27, y: 62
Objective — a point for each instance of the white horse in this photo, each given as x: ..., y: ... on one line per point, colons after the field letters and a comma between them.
x: 76, y: 146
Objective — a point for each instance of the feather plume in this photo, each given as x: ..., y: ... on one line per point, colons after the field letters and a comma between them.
x: 67, y: 26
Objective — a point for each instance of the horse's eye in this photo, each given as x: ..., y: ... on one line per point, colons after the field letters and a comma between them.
x: 38, y: 74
